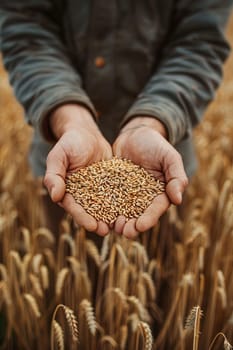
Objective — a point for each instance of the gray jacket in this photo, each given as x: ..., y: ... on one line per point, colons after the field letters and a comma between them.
x: 119, y: 58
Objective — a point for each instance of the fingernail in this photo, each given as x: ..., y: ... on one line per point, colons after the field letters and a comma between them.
x: 179, y: 197
x: 51, y: 191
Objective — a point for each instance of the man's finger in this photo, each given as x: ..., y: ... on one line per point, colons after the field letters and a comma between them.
x: 175, y: 176
x: 119, y: 224
x: 130, y: 230
x: 102, y: 228
x: 55, y: 174
x: 175, y: 189
x: 55, y: 185
x: 80, y: 216
x: 152, y: 214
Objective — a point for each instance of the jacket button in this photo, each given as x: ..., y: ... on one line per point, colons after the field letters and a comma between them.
x: 98, y: 114
x: 99, y: 62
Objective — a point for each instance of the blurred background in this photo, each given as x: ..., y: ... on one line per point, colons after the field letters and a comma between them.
x: 167, y: 290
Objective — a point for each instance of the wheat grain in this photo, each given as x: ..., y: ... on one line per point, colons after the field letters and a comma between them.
x: 108, y: 189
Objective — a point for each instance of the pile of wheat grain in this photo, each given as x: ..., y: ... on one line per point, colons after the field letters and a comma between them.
x: 170, y: 289
x: 114, y: 187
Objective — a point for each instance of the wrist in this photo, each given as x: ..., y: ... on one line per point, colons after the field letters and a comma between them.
x: 70, y: 117
x: 146, y: 121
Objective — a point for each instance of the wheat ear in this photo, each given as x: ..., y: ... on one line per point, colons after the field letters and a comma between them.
x: 86, y: 306
x: 58, y: 335
x: 71, y: 321
x: 193, y: 322
x: 33, y: 304
x: 147, y: 335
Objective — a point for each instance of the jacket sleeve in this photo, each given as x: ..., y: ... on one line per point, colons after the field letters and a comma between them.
x: 37, y: 61
x: 190, y: 67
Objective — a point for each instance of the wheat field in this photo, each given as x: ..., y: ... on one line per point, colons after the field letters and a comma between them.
x: 172, y: 288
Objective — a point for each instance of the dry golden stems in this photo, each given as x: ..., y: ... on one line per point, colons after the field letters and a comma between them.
x: 114, y: 187
x: 193, y: 322
x: 226, y: 344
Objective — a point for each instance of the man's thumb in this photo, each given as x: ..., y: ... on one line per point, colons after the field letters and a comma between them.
x: 55, y: 185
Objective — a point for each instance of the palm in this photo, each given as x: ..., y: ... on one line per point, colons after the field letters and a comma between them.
x: 145, y: 152
x: 73, y: 151
x: 147, y: 148
x: 80, y: 152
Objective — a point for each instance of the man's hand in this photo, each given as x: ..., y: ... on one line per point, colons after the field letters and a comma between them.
x: 143, y: 141
x: 80, y: 143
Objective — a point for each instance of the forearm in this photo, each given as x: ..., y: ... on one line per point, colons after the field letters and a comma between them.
x: 71, y: 117
x: 38, y: 63
x: 190, y: 69
x: 146, y: 121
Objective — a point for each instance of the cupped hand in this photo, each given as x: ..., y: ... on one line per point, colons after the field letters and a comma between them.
x: 143, y: 141
x: 79, y: 144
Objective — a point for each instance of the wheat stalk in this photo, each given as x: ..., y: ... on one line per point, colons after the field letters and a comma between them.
x: 193, y: 322
x: 227, y: 345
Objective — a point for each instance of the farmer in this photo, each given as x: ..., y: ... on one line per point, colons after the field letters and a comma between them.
x: 125, y: 78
